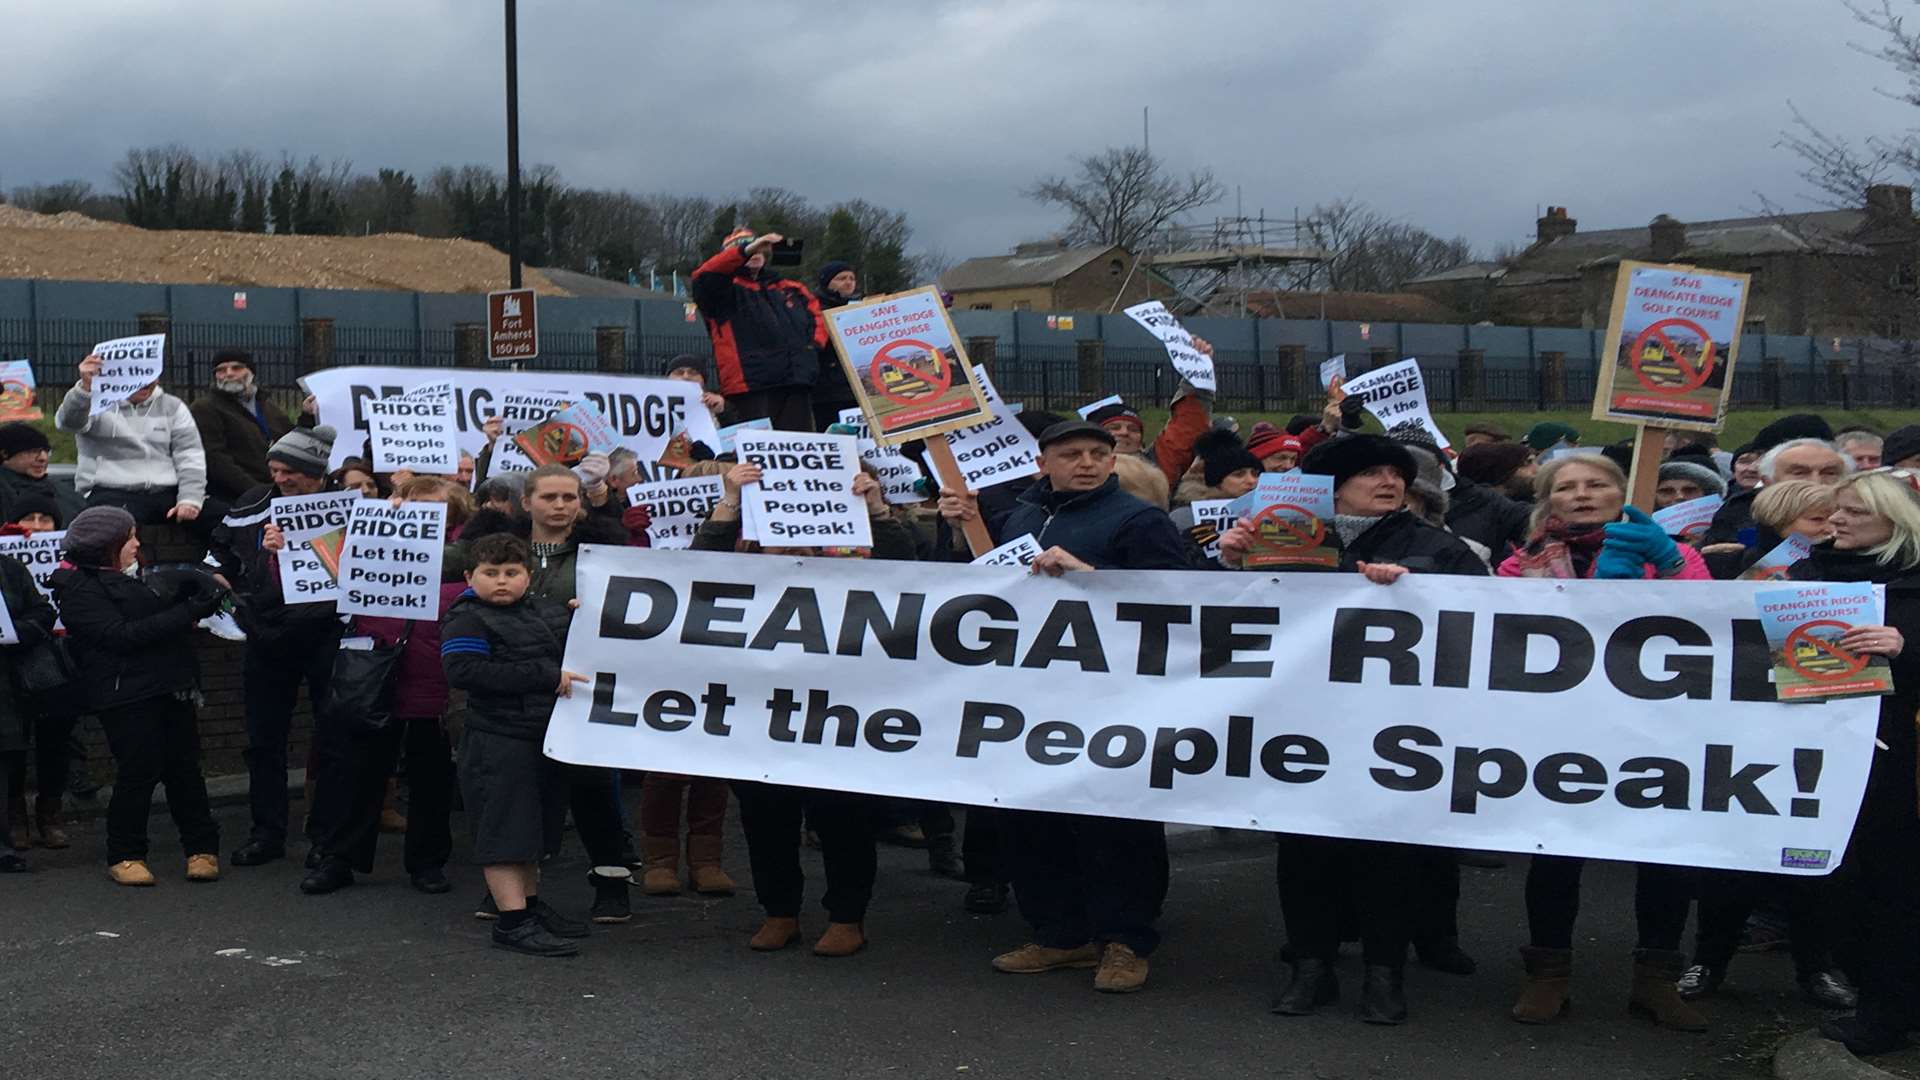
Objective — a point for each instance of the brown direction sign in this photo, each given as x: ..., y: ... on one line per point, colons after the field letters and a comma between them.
x: 513, y: 332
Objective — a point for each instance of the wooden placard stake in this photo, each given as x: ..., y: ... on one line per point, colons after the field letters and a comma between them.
x: 951, y: 478
x: 1648, y: 448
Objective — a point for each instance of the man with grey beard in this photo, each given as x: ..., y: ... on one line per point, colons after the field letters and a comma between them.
x: 237, y: 424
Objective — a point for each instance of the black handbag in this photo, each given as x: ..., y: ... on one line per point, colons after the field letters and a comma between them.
x: 360, y: 694
x: 45, y: 668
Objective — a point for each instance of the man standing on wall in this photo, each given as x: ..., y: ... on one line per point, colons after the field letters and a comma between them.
x: 766, y: 330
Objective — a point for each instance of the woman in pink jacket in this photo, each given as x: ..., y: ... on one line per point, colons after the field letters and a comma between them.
x: 1583, y: 528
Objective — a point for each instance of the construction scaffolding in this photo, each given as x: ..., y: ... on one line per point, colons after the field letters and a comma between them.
x: 1217, y: 266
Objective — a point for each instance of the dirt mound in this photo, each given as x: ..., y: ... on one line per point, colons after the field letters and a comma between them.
x: 73, y: 247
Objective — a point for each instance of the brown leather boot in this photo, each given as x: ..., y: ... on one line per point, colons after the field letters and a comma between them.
x: 775, y: 934
x: 1544, y: 997
x: 661, y: 875
x: 46, y: 822
x: 841, y: 939
x: 1654, y: 994
x: 703, y: 865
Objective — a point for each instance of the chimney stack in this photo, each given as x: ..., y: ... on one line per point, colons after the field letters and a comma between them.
x: 1890, y: 204
x: 1555, y: 225
x: 1669, y: 238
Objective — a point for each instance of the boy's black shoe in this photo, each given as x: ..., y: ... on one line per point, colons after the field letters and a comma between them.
x: 533, y: 939
x: 12, y: 864
x: 257, y: 853
x: 610, y: 902
x: 557, y: 924
x: 986, y: 898
x: 486, y: 908
x: 331, y: 875
x: 433, y: 881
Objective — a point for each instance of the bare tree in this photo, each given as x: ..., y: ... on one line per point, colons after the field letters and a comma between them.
x: 1367, y: 251
x: 1124, y: 195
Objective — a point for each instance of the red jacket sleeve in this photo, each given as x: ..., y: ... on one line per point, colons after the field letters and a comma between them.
x: 712, y: 282
x: 1173, y: 448
x: 820, y: 335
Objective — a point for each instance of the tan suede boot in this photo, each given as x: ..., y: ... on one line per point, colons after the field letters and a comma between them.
x: 775, y: 934
x: 1654, y: 994
x: 703, y: 864
x: 661, y: 876
x: 1544, y: 997
x: 841, y: 939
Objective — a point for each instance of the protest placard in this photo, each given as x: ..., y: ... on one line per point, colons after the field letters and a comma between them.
x: 1291, y: 512
x: 1560, y: 450
x: 1773, y: 566
x: 676, y: 507
x: 8, y: 634
x: 1211, y: 517
x: 17, y: 392
x: 906, y: 365
x: 898, y: 474
x: 1000, y: 450
x: 1671, y: 341
x: 679, y: 453
x: 1192, y: 365
x: 1019, y: 551
x: 763, y: 424
x: 1689, y: 520
x: 572, y: 433
x: 390, y: 563
x: 39, y: 552
x: 1804, y: 624
x: 1415, y: 717
x: 306, y: 578
x: 644, y: 412
x: 1396, y: 395
x: 414, y: 433
x: 1088, y: 409
x: 805, y: 495
x: 126, y: 365
x: 1333, y: 370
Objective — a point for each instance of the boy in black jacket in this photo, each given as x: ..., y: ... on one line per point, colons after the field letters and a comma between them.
x: 503, y: 648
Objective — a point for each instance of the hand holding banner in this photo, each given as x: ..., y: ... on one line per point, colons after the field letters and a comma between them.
x: 1396, y: 395
x: 805, y: 495
x: 126, y: 366
x: 390, y: 565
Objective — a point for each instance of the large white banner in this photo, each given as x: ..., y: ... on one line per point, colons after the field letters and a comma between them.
x: 1616, y: 720
x: 646, y: 412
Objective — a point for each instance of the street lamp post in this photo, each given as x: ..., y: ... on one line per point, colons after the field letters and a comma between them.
x: 513, y: 146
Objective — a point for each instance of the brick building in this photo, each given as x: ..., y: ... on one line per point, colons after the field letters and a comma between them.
x: 1828, y: 272
x: 1050, y: 276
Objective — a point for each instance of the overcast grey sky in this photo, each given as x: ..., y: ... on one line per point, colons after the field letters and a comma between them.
x: 1462, y: 116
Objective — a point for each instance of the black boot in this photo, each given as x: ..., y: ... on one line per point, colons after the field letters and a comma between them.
x: 943, y: 857
x: 331, y: 875
x: 1313, y: 985
x: 986, y: 898
x: 610, y: 886
x: 1383, y: 998
x: 1445, y: 954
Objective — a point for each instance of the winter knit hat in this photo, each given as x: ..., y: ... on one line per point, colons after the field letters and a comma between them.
x: 1796, y: 426
x: 96, y: 536
x: 1900, y: 444
x: 1350, y: 455
x: 1265, y: 444
x: 829, y: 271
x: 18, y: 438
x: 1547, y: 432
x: 1221, y: 455
x: 234, y: 356
x: 34, y: 503
x: 304, y: 449
x: 1492, y: 463
x: 1116, y: 411
x: 1709, y: 480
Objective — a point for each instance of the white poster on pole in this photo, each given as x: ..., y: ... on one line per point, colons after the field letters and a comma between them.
x: 997, y: 451
x: 1628, y: 720
x: 1396, y: 395
x: 805, y: 495
x: 1193, y: 365
x: 390, y: 564
x: 415, y: 433
x: 676, y: 508
x: 126, y: 365
x: 305, y: 577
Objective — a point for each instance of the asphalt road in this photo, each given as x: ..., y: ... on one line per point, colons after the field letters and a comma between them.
x: 247, y: 978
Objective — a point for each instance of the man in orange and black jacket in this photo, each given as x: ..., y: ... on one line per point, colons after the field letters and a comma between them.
x: 766, y: 330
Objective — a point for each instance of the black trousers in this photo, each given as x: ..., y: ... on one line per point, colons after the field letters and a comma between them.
x: 789, y: 407
x: 1079, y: 878
x: 272, y: 674
x: 1661, y: 896
x: 1320, y: 875
x: 593, y: 794
x: 980, y: 851
x: 7, y: 793
x: 156, y: 742
x: 52, y: 760
x: 1436, y: 896
x: 1727, y: 897
x: 1884, y: 913
x: 351, y: 794
x: 770, y: 815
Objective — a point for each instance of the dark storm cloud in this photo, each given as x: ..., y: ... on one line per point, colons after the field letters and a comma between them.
x: 1460, y: 116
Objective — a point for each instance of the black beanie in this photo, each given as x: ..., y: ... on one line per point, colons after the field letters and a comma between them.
x: 235, y: 356
x: 1221, y: 455
x: 1796, y: 426
x: 1348, y: 456
x: 19, y: 437
x: 1900, y: 444
x: 829, y: 271
x: 35, y: 503
x: 1491, y: 463
x: 1115, y: 411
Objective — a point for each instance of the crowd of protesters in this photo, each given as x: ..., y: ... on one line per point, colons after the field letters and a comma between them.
x: 1090, y: 888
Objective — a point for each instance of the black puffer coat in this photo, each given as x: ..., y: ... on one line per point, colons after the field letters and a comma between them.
x: 1404, y: 539
x: 1487, y: 517
x: 507, y: 659
x: 129, y: 643
x: 32, y: 624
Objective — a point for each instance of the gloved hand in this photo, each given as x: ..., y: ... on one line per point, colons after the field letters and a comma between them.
x: 592, y: 471
x: 205, y: 602
x: 636, y: 519
x: 1639, y: 537
x: 1353, y: 411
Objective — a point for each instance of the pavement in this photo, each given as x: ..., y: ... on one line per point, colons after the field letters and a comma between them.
x: 247, y: 977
